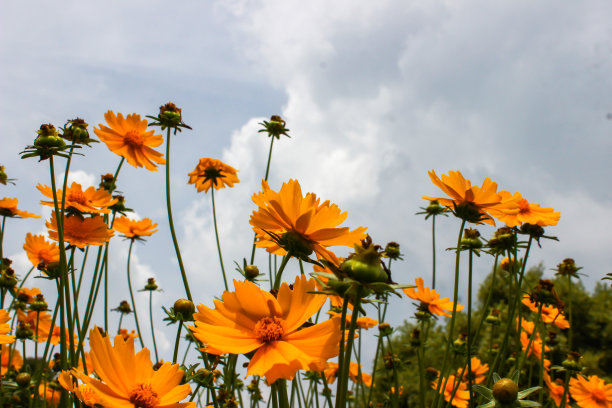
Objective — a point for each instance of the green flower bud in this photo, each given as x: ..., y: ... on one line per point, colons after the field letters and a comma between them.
x: 505, y: 391
x: 185, y: 308
x: 23, y: 379
x: 251, y: 271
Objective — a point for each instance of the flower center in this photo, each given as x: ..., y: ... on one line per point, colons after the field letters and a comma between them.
x: 523, y: 206
x: 77, y: 196
x: 269, y: 329
x: 133, y: 138
x: 143, y: 396
x: 599, y: 396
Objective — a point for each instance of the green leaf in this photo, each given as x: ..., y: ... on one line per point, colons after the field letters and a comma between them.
x: 484, y: 391
x: 526, y: 392
x: 487, y: 405
x: 529, y: 403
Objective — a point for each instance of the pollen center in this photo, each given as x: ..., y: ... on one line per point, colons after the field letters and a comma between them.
x: 269, y: 329
x: 523, y: 206
x: 143, y: 396
x: 133, y: 138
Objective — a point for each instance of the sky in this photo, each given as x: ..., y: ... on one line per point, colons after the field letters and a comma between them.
x: 375, y: 95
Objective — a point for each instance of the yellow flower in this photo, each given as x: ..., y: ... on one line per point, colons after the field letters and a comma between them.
x: 81, y: 232
x: 591, y: 392
x: 461, y: 397
x: 430, y: 299
x: 212, y: 173
x: 305, y: 220
x: 133, y: 228
x: 250, y: 319
x: 470, y: 202
x: 5, y: 328
x: 129, y: 138
x: 16, y: 360
x: 8, y: 208
x: 550, y: 314
x: 126, y: 379
x: 39, y: 250
x: 555, y: 390
x: 478, y: 371
x: 91, y: 200
x: 331, y: 372
x: 528, y: 213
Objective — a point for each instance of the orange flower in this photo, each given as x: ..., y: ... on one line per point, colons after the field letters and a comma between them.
x: 303, y: 221
x: 430, y: 299
x: 5, y: 328
x: 550, y: 314
x: 126, y: 380
x: 40, y: 324
x: 461, y: 397
x: 331, y: 372
x: 478, y: 371
x: 86, y: 394
x: 536, y: 346
x: 555, y: 390
x: 8, y: 208
x: 39, y: 250
x: 81, y: 232
x: 16, y: 360
x: 470, y: 202
x: 135, y: 229
x: 27, y: 295
x: 591, y: 392
x: 212, y: 173
x: 49, y: 393
x: 129, y: 138
x: 250, y: 319
x: 528, y: 213
x: 89, y: 201
x: 126, y: 335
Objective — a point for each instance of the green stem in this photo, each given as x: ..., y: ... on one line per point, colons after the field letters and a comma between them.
x: 488, y: 301
x: 569, y: 299
x: 176, y: 343
x: 172, y: 232
x: 279, y: 273
x: 469, y: 326
x: 152, y: 329
x: 343, y: 369
x: 132, y: 293
x: 266, y: 179
x: 433, y: 251
x: 453, y: 318
x: 214, y: 211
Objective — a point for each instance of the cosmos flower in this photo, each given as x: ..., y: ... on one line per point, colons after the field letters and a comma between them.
x: 430, y: 299
x: 212, y: 173
x: 250, y: 319
x: 528, y: 213
x: 304, y: 223
x: 478, y: 371
x: 5, y: 328
x: 555, y: 390
x: 8, y: 208
x: 129, y: 138
x: 39, y: 250
x: 461, y: 397
x: 134, y: 228
x: 81, y: 232
x: 550, y: 314
x: 126, y: 379
x: 591, y: 392
x: 470, y: 202
x: 5, y: 356
x: 331, y: 372
x: 93, y: 201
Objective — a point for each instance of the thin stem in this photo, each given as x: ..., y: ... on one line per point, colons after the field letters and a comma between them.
x: 453, y: 318
x: 176, y: 343
x: 172, y: 232
x: 433, y: 251
x: 214, y: 211
x: 151, y: 319
x: 469, y: 325
x: 346, y: 361
x: 132, y: 293
x: 266, y: 179
x: 279, y: 273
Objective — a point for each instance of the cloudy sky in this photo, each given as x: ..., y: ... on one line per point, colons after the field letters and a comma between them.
x: 375, y: 94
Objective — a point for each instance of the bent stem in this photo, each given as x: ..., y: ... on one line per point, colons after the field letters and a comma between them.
x: 171, y: 222
x: 132, y: 293
x: 214, y: 211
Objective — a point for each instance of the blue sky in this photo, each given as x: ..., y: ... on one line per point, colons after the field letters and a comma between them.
x: 375, y: 94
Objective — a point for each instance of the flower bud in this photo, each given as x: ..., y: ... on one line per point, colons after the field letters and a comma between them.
x: 23, y: 379
x: 185, y: 308
x: 151, y: 285
x: 76, y: 131
x: 392, y: 250
x: 275, y: 127
x: 568, y: 267
x: 469, y: 212
x: 124, y: 307
x: 3, y: 176
x: 503, y: 240
x: 434, y: 208
x: 169, y: 115
x: 572, y: 362
x: 251, y: 271
x: 471, y: 239
x: 48, y: 137
x: 364, y: 265
x: 505, y: 391
x: 108, y: 182
x: 535, y: 231
x: 295, y: 245
x: 24, y: 331
x: 39, y: 304
x: 385, y: 329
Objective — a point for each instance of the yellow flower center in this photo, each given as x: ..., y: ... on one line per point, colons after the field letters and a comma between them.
x: 143, y: 396
x: 269, y: 329
x: 133, y: 138
x: 599, y: 396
